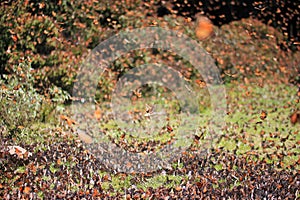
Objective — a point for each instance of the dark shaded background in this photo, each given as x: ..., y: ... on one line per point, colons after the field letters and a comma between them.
x: 277, y: 13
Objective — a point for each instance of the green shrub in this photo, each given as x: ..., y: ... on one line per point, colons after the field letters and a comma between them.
x: 21, y: 105
x: 5, y: 41
x: 55, y: 34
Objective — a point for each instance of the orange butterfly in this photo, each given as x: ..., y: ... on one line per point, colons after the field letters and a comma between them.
x: 204, y: 28
x: 295, y: 117
x: 97, y: 113
x: 26, y: 190
x: 19, y: 151
x: 263, y: 115
x: 68, y: 120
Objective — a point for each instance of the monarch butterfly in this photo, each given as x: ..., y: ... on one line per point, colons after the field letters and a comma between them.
x: 204, y: 28
x: 97, y: 113
x: 263, y: 115
x: 68, y: 120
x: 19, y: 151
x: 295, y: 117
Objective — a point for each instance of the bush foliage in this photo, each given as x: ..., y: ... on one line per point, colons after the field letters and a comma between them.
x: 20, y: 103
x: 56, y: 35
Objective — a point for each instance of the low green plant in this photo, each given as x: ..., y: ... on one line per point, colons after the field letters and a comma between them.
x: 21, y: 105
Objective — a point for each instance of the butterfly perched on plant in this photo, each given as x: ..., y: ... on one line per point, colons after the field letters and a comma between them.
x: 19, y: 151
x: 295, y: 117
x: 263, y: 115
